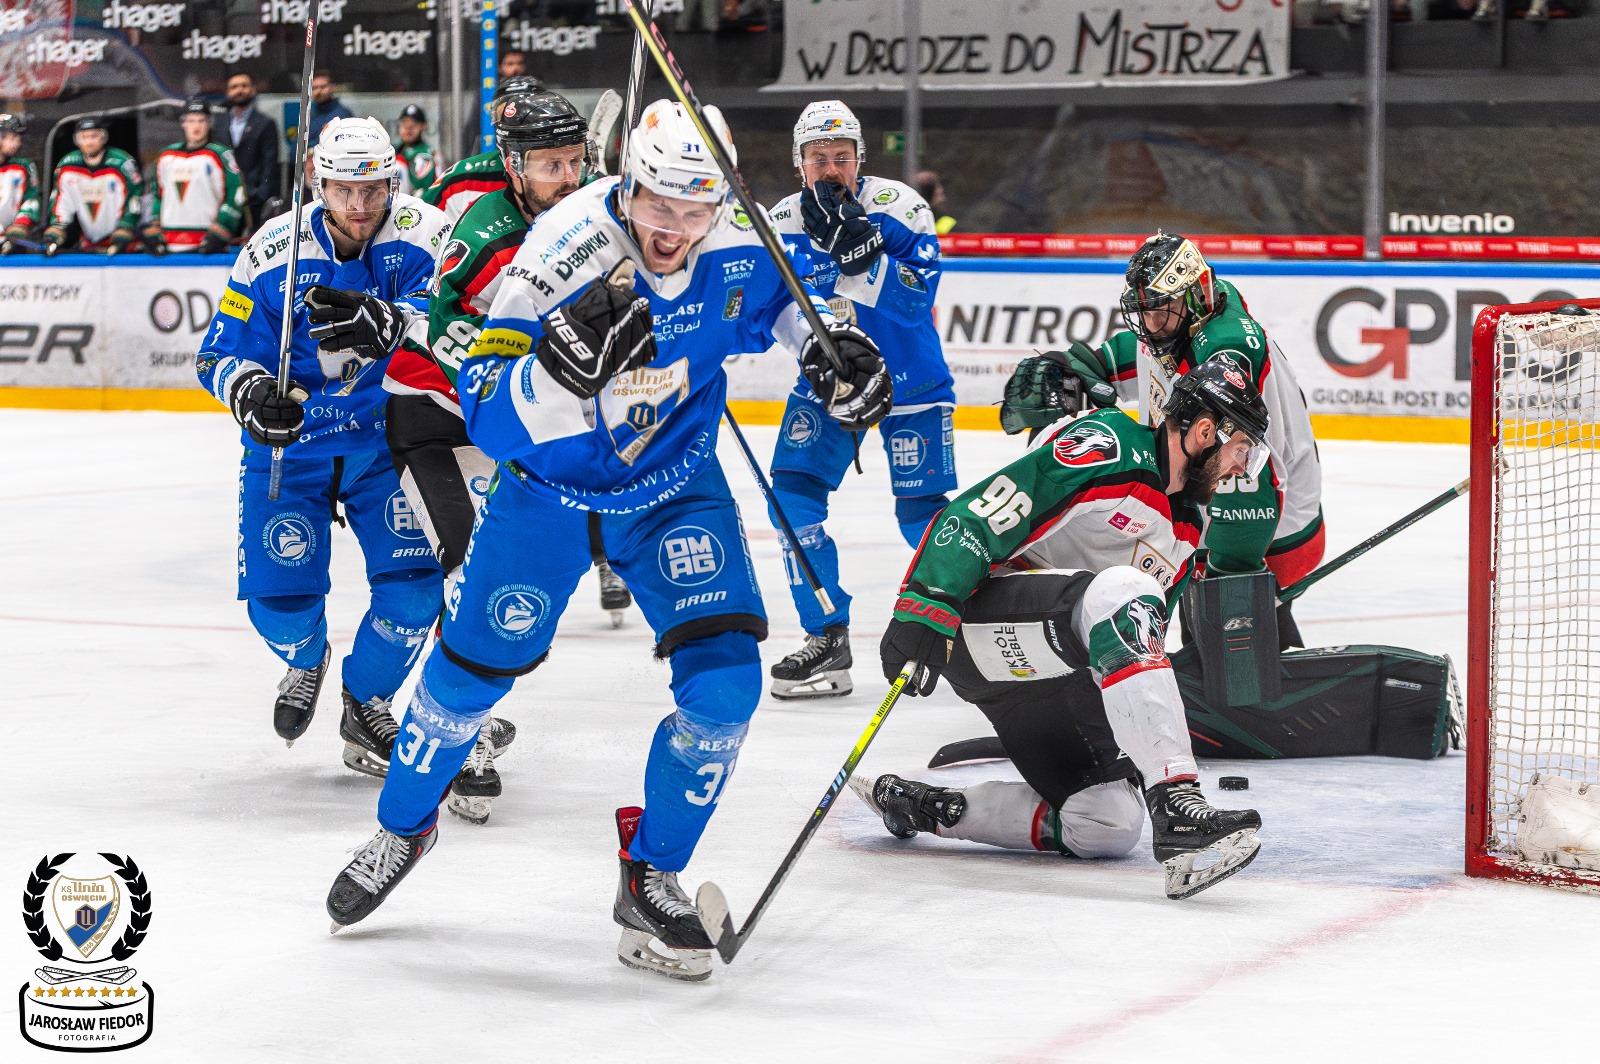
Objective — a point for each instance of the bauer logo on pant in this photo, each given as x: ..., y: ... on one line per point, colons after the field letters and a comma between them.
x: 289, y: 539
x: 690, y: 555
x: 85, y: 997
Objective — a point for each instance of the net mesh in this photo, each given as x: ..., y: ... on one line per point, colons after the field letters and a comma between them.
x: 1544, y: 686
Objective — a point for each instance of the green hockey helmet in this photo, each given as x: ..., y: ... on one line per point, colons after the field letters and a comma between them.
x: 1171, y: 291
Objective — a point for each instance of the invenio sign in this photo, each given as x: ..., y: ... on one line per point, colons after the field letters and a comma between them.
x: 1036, y: 43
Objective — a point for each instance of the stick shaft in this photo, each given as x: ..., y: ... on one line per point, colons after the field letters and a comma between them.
x: 784, y: 526
x: 286, y: 331
x: 668, y: 64
x: 1299, y: 587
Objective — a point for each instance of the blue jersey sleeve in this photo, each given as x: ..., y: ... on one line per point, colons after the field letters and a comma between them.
x: 244, y: 332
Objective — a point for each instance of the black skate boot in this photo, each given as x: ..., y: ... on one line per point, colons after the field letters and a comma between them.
x: 477, y: 785
x: 820, y: 669
x: 377, y: 868
x: 501, y: 734
x: 368, y: 730
x: 297, y: 699
x: 907, y: 806
x: 1185, y: 827
x: 653, y: 909
x: 615, y: 598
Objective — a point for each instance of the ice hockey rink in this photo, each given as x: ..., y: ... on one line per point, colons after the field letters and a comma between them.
x: 136, y: 719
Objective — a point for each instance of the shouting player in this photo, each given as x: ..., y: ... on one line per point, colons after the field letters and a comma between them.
x: 597, y: 385
x: 1070, y: 559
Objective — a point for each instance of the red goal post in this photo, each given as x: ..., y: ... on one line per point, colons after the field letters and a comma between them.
x: 1533, y: 605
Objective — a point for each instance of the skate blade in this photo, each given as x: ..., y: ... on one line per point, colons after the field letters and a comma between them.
x: 1233, y: 852
x: 834, y: 684
x: 472, y: 810
x: 637, y: 949
x: 618, y: 617
x: 359, y: 759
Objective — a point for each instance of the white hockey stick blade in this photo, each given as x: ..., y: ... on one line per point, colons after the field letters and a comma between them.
x: 603, y: 124
x: 1233, y: 852
x: 716, y: 918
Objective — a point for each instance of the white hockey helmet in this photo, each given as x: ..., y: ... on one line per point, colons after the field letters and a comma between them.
x: 667, y: 155
x: 828, y: 120
x: 355, y: 149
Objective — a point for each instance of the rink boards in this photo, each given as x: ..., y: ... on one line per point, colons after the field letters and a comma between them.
x: 1381, y: 350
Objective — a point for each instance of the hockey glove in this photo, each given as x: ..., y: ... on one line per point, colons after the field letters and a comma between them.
x: 837, y: 222
x: 1045, y: 388
x: 215, y: 241
x: 120, y: 240
x: 154, y: 242
x: 9, y: 244
x: 923, y: 630
x: 353, y: 321
x: 54, y: 239
x: 272, y: 420
x: 604, y: 332
x: 859, y: 397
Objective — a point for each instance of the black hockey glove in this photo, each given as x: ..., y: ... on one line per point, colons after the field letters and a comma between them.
x: 120, y: 241
x: 860, y: 397
x: 272, y: 420
x: 604, y: 332
x: 837, y: 222
x: 215, y: 241
x: 923, y: 629
x: 154, y: 242
x: 353, y: 321
x: 1047, y: 387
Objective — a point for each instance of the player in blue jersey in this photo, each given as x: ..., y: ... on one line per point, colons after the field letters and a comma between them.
x: 875, y: 256
x: 365, y: 259
x: 597, y: 384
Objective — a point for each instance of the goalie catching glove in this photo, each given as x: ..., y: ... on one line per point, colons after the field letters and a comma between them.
x: 353, y: 321
x: 272, y: 420
x: 923, y: 630
x: 604, y: 332
x: 837, y: 222
x: 859, y: 397
x: 1047, y: 387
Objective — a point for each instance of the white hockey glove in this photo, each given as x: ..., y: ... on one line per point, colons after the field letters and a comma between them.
x: 353, y: 321
x: 859, y: 397
x: 604, y: 332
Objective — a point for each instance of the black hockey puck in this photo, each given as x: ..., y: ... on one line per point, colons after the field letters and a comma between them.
x: 1234, y: 783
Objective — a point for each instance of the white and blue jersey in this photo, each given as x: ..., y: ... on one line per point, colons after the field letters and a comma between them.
x: 651, y: 430
x: 893, y: 301
x: 345, y: 412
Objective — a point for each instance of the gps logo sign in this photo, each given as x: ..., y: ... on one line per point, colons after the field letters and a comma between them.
x: 690, y: 555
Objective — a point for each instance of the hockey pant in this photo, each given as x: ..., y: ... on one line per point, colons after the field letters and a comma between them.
x: 285, y: 547
x: 444, y: 476
x: 809, y: 464
x: 689, y: 568
x: 1070, y: 668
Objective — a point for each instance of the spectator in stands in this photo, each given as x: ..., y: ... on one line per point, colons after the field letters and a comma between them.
x: 704, y: 15
x: 416, y: 158
x: 931, y: 188
x: 254, y: 140
x: 197, y: 199
x: 325, y: 106
x: 512, y: 63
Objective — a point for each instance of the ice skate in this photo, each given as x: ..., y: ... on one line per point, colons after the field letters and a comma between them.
x: 661, y: 929
x: 378, y: 866
x: 368, y: 730
x: 615, y: 598
x: 477, y: 785
x: 907, y: 806
x: 820, y: 669
x: 501, y: 734
x: 297, y: 699
x: 1185, y: 828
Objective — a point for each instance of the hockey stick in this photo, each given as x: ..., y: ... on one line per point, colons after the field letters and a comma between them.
x: 713, y: 904
x: 285, y: 334
x: 668, y: 64
x: 800, y: 558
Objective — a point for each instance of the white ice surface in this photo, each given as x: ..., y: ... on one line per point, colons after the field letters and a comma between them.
x: 135, y: 718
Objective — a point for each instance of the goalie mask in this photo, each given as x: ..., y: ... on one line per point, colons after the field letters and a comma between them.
x: 1171, y: 291
x: 1219, y: 390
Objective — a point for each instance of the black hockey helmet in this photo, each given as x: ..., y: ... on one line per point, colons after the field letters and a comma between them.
x: 195, y: 105
x: 513, y: 86
x: 10, y: 123
x: 411, y: 110
x: 88, y: 122
x: 1219, y: 388
x: 1169, y: 274
x: 529, y: 121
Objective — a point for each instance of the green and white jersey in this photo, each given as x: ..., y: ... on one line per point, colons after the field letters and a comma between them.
x: 419, y: 168
x: 1091, y: 495
x: 194, y: 190
x: 101, y: 197
x: 459, y: 186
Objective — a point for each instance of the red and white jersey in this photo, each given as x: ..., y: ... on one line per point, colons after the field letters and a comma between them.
x: 19, y: 193
x: 195, y: 189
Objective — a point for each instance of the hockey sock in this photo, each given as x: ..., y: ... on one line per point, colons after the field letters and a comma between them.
x: 717, y: 683
x: 404, y: 606
x: 294, y: 626
x: 1010, y: 815
x: 1100, y: 821
x: 805, y: 503
x: 914, y: 515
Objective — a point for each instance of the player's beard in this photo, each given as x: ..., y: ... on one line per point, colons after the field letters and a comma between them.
x: 540, y: 204
x: 1199, y: 485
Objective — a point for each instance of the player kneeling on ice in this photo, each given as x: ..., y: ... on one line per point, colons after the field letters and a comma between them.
x: 1069, y: 561
x: 365, y: 259
x: 597, y: 385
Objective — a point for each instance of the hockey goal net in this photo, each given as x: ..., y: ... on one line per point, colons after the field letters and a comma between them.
x: 1533, y: 700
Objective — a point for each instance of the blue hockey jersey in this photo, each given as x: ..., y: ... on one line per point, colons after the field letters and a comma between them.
x: 345, y: 412
x: 649, y: 431
x: 893, y: 301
